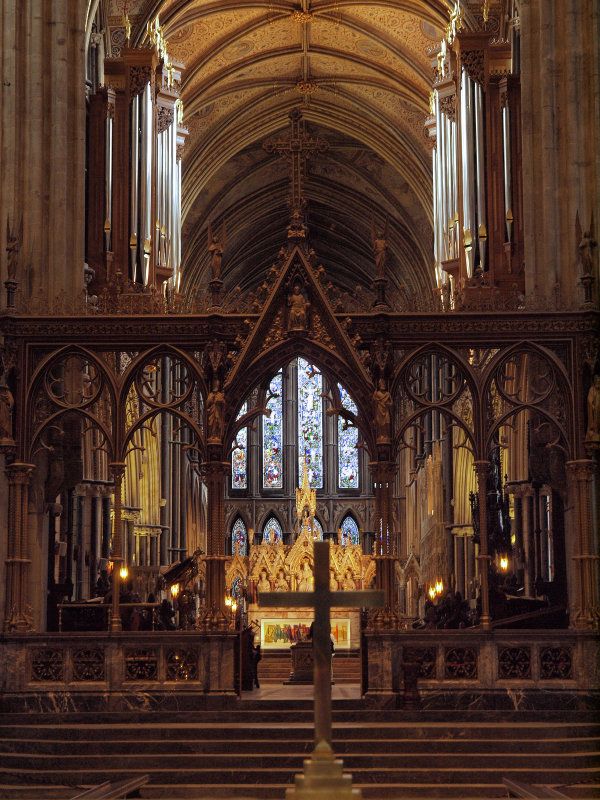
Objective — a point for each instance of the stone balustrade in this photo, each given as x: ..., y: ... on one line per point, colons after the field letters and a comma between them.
x: 474, y: 662
x: 79, y: 671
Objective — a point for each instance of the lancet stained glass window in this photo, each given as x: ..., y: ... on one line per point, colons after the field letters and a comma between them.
x: 350, y: 534
x: 310, y: 423
x: 347, y: 450
x: 273, y: 437
x: 272, y: 532
x: 317, y: 530
x: 239, y: 457
x: 239, y: 539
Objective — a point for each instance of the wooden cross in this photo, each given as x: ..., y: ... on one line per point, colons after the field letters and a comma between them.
x: 322, y: 599
x: 297, y: 148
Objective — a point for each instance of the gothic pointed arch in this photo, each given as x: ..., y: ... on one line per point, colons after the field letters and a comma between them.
x: 298, y: 319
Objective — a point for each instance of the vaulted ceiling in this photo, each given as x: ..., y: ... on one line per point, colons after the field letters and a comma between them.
x: 368, y: 76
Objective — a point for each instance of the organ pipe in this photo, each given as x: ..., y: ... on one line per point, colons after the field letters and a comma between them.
x: 467, y: 161
x: 108, y: 184
x: 135, y: 156
x: 508, y: 215
x: 475, y: 119
x: 480, y: 171
x: 134, y: 186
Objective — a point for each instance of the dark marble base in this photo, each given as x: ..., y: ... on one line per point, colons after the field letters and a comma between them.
x: 49, y: 702
x: 502, y: 700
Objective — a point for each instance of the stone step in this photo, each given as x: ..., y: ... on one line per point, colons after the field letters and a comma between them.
x: 254, y: 751
x: 284, y: 776
x: 396, y: 791
x: 227, y: 728
x: 347, y: 709
x: 69, y: 747
x: 228, y: 762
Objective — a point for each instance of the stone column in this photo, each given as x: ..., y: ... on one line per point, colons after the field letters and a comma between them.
x: 384, y: 550
x: 215, y: 476
x: 18, y: 557
x: 560, y: 80
x: 118, y: 470
x: 583, y: 595
x: 528, y: 578
x: 42, y: 159
x: 383, y: 484
x: 482, y: 469
x: 93, y: 552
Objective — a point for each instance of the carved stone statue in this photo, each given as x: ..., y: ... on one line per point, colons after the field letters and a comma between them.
x: 382, y: 400
x: 7, y: 404
x: 263, y: 584
x: 305, y: 578
x: 298, y: 310
x: 13, y: 245
x: 281, y: 584
x: 585, y: 249
x: 379, y: 240
x: 215, y: 407
x: 216, y: 245
x: 333, y: 584
x: 593, y: 411
x: 348, y: 584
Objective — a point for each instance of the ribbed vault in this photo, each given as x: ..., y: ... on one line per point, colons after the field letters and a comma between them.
x: 368, y: 73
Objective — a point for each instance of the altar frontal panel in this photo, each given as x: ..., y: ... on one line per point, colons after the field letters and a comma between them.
x: 280, y: 632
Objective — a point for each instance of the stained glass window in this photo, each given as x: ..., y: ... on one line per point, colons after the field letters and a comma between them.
x: 239, y: 457
x: 273, y: 437
x: 310, y: 423
x: 347, y: 442
x: 239, y: 540
x: 317, y: 529
x: 350, y: 534
x: 272, y: 532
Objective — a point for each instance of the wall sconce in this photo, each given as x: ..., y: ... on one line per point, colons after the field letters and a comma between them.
x: 233, y: 607
x: 123, y: 572
x: 174, y: 590
x: 432, y: 592
x: 503, y: 563
x: 228, y: 601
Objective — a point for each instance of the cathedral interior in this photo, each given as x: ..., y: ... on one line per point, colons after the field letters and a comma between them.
x: 281, y: 272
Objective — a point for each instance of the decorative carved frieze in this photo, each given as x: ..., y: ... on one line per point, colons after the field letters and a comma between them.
x: 556, y: 663
x: 141, y: 664
x: 47, y: 665
x: 139, y: 76
x: 460, y: 663
x: 89, y: 665
x: 165, y: 117
x: 447, y: 106
x: 514, y: 663
x: 473, y: 62
x: 182, y: 664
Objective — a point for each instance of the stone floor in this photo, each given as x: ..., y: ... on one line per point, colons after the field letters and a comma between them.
x: 346, y: 691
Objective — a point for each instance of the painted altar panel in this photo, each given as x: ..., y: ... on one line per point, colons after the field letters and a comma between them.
x: 281, y: 632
